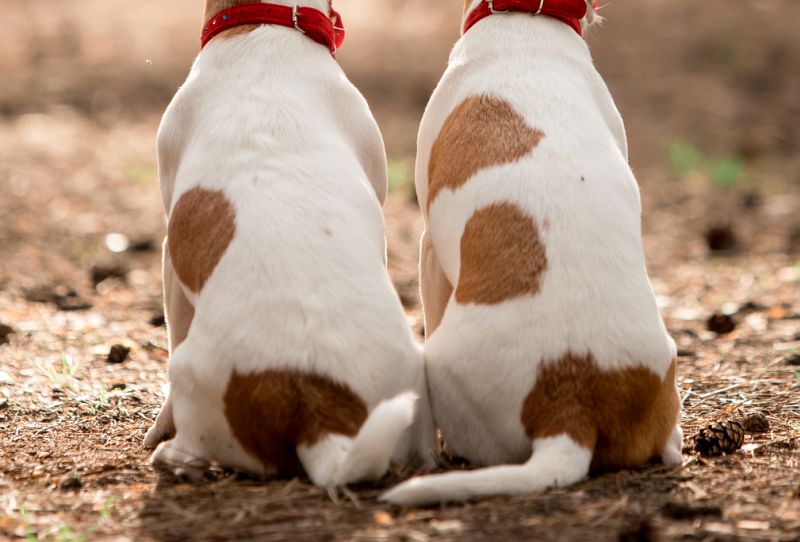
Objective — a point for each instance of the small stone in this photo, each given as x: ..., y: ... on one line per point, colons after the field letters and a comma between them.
x: 118, y: 354
x: 70, y: 483
x: 64, y: 297
x: 752, y: 200
x: 720, y: 324
x: 721, y: 239
x: 638, y: 530
x: 40, y: 294
x: 72, y: 302
x: 99, y: 273
x: 447, y: 527
x: 117, y: 242
x: 756, y: 423
x: 751, y: 306
x: 158, y: 320
x: 144, y: 244
x: 793, y: 360
x: 5, y: 331
x: 681, y: 511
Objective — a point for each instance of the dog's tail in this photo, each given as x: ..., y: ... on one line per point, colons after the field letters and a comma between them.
x: 339, y: 460
x: 556, y: 462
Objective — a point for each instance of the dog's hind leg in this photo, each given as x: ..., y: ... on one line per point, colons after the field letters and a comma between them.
x: 179, y: 313
x: 673, y: 451
x: 556, y: 462
x: 435, y: 288
x: 172, y: 456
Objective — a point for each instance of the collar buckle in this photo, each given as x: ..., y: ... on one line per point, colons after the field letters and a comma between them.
x: 494, y: 11
x: 296, y: 18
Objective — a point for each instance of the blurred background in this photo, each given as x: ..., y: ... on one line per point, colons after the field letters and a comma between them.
x: 710, y: 93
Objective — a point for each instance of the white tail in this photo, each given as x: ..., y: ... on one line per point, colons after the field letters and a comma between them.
x: 338, y: 460
x: 556, y: 461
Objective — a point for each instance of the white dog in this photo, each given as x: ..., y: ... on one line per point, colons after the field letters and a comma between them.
x: 290, y: 349
x: 546, y: 350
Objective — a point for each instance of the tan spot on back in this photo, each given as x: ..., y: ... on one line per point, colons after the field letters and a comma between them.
x: 272, y: 412
x: 481, y: 132
x: 201, y: 227
x: 625, y: 416
x: 502, y: 256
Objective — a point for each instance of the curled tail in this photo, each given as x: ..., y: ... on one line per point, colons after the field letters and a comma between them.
x: 556, y: 461
x: 338, y: 460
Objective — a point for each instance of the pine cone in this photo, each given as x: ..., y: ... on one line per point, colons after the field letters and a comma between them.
x: 756, y: 423
x: 719, y: 438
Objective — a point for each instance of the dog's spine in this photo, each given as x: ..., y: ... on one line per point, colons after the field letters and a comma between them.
x: 556, y: 462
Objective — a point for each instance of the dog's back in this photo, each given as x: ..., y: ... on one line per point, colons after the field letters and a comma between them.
x: 273, y: 173
x: 552, y: 334
x: 534, y: 214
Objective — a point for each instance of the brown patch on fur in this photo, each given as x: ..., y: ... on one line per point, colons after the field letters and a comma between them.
x: 482, y: 132
x: 201, y: 227
x: 273, y: 412
x: 625, y: 417
x: 502, y: 256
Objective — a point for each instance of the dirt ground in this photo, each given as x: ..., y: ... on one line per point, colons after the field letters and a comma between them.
x: 710, y: 97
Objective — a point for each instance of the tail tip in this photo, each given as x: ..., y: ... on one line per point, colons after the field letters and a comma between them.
x: 410, y: 493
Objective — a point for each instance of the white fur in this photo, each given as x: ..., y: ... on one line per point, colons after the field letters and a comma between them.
x: 555, y: 462
x: 338, y: 460
x: 673, y: 453
x: 595, y: 295
x: 270, y: 119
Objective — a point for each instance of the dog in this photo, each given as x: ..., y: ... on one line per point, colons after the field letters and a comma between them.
x: 290, y: 350
x: 546, y: 355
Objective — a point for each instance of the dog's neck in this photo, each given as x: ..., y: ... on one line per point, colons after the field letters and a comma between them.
x: 215, y: 6
x: 591, y: 15
x: 517, y: 40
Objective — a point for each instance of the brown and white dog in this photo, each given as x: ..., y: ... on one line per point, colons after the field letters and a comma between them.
x: 545, y: 350
x: 290, y: 350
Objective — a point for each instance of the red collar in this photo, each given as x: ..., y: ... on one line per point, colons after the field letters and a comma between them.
x: 320, y: 27
x: 568, y: 11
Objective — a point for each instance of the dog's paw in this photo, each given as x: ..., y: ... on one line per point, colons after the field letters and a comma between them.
x: 672, y: 454
x: 185, y: 466
x: 163, y: 428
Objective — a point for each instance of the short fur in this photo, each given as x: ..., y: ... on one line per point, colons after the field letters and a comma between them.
x: 545, y: 349
x: 289, y: 345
